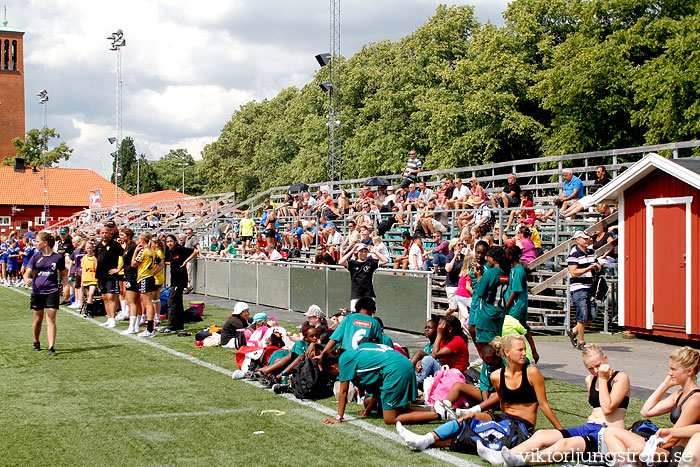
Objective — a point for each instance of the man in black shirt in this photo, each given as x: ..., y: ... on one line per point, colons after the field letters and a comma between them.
x: 107, y: 253
x: 510, y: 196
x: 177, y: 257
x: 602, y: 178
x: 362, y: 271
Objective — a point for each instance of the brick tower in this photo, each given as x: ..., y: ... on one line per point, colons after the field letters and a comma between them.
x: 11, y: 88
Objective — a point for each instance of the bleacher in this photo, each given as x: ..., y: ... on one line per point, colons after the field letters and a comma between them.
x: 549, y: 301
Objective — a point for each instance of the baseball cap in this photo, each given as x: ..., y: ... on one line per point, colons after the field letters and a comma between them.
x: 581, y: 234
x: 314, y: 310
x: 362, y: 247
x: 390, y: 187
x: 110, y: 224
x: 239, y: 308
x: 259, y: 317
x: 63, y: 230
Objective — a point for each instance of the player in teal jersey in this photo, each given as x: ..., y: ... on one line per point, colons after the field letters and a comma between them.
x: 285, y: 361
x: 516, y: 293
x: 478, y: 265
x: 356, y: 327
x: 491, y: 287
x: 386, y: 376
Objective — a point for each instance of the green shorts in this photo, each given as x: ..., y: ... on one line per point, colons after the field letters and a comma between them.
x: 486, y: 335
x: 474, y: 310
x: 399, y: 387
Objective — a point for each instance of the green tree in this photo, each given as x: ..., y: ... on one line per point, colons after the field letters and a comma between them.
x: 168, y: 172
x: 127, y: 166
x: 35, y: 148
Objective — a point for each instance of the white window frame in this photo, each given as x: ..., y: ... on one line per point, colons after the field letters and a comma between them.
x: 650, y: 203
x: 5, y: 221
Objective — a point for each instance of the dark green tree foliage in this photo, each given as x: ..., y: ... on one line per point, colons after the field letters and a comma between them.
x: 127, y: 166
x: 166, y: 173
x: 560, y: 76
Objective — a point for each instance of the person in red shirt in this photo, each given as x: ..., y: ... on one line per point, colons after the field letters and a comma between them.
x: 451, y: 344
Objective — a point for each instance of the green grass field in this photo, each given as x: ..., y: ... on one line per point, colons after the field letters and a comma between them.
x: 108, y: 399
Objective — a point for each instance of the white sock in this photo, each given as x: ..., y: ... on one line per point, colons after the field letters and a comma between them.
x: 649, y: 450
x: 418, y: 442
x: 123, y: 302
x: 133, y: 323
x: 512, y: 460
x: 492, y: 456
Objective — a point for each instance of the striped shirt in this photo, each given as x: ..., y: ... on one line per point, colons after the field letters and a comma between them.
x: 581, y: 260
x: 412, y: 164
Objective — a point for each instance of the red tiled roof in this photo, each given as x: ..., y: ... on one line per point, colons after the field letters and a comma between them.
x: 66, y: 187
x: 149, y: 199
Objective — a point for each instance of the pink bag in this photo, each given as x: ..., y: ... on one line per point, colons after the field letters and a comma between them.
x: 443, y: 382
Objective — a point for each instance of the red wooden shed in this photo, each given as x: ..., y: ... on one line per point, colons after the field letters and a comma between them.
x: 658, y: 246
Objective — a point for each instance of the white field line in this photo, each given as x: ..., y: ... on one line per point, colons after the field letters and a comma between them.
x: 436, y: 453
x: 181, y: 414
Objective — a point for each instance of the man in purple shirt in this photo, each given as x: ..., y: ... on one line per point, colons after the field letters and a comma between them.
x: 438, y: 258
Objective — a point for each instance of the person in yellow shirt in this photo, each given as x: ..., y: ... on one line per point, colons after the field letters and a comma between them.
x: 89, y: 276
x: 158, y: 249
x: 143, y: 260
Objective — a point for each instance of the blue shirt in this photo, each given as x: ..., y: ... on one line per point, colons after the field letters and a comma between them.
x: 570, y: 186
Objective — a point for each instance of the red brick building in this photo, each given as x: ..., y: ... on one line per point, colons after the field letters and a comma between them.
x: 22, y: 195
x: 11, y: 89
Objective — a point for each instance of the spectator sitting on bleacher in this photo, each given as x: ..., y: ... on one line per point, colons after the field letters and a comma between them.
x: 261, y: 241
x: 401, y: 262
x: 525, y: 202
x: 326, y: 206
x: 226, y: 249
x: 415, y: 254
x: 414, y: 166
x: 445, y: 194
x: 213, y: 246
x: 285, y: 208
x: 605, y: 210
x: 380, y: 196
x: 365, y: 237
x: 573, y: 188
x: 479, y: 217
x: 353, y: 235
x: 387, y: 223
x: 324, y: 257
x: 323, y: 227
x: 438, y: 257
x: 359, y: 201
x: 368, y: 192
x: 510, y: 196
x: 273, y: 254
x: 390, y: 200
x: 257, y: 254
x: 476, y: 190
x: 344, y: 203
x: 380, y: 246
x: 412, y: 196
x: 460, y: 195
x: 308, y: 238
x: 333, y: 236
x: 307, y: 203
x: 292, y: 235
x: 578, y: 205
x: 426, y: 194
x: 363, y: 217
x: 602, y: 178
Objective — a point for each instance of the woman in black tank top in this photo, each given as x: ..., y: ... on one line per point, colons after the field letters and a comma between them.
x: 521, y: 391
x: 683, y: 405
x: 610, y: 397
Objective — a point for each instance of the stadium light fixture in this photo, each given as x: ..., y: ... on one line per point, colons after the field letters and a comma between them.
x: 326, y: 86
x: 323, y: 59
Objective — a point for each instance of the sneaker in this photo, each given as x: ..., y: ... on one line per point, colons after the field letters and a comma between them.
x: 127, y: 332
x: 147, y: 334
x: 238, y: 374
x: 111, y: 324
x: 121, y: 316
x: 37, y: 347
x: 281, y: 388
x: 74, y: 305
x: 52, y: 352
x: 444, y: 410
x: 104, y: 325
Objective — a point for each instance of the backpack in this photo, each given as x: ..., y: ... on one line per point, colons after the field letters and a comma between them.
x: 443, y: 381
x: 599, y: 288
x: 309, y: 383
x: 495, y: 435
x: 191, y: 315
x: 295, y: 253
x: 644, y: 428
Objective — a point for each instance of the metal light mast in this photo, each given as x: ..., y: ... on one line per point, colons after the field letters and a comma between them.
x: 43, y: 99
x: 118, y: 42
x: 335, y: 159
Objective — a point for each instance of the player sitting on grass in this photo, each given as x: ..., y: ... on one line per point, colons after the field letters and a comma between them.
x: 356, y: 327
x: 283, y: 361
x: 386, y: 376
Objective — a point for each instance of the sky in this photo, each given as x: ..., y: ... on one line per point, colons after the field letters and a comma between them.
x: 187, y: 66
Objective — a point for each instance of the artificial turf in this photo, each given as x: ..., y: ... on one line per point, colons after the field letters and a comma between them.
x: 108, y: 399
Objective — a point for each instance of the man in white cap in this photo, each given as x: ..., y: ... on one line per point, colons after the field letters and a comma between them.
x: 362, y: 270
x: 582, y: 263
x: 238, y: 320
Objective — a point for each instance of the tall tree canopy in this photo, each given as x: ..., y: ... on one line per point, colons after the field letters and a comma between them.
x: 34, y: 148
x: 559, y: 76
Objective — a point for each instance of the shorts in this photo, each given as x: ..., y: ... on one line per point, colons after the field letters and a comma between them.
x: 586, y: 309
x: 76, y: 280
x: 474, y: 310
x: 40, y: 301
x: 109, y: 286
x: 486, y: 335
x: 3, y: 260
x: 586, y: 201
x: 437, y: 225
x: 130, y: 284
x: 120, y: 277
x: 451, y: 297
x: 247, y: 238
x: 147, y: 285
x: 464, y: 303
x: 589, y: 433
x: 270, y: 233
x: 399, y: 388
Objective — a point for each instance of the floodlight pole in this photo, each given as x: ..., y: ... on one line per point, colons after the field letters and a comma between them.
x: 118, y: 42
x: 335, y: 159
x: 43, y: 99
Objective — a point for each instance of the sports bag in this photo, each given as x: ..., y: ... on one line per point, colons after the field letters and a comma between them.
x: 443, y: 381
x: 492, y: 434
x: 644, y: 428
x: 309, y: 383
x: 599, y: 288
